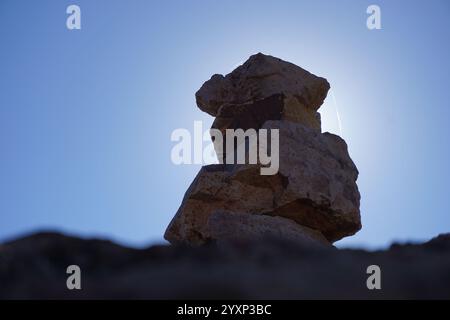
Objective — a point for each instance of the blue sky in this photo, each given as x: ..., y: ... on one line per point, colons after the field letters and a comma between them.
x: 86, y: 115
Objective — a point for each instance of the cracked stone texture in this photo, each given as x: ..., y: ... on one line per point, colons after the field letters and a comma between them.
x: 315, y: 187
x: 260, y: 77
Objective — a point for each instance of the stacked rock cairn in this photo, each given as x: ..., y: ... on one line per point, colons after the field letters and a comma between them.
x: 312, y: 199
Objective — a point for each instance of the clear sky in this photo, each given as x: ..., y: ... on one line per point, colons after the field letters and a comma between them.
x: 86, y: 115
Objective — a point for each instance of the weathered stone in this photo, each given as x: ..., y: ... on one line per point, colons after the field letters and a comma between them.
x: 34, y: 267
x: 321, y: 190
x: 315, y: 187
x: 246, y: 116
x: 231, y: 226
x: 260, y: 77
x: 218, y: 187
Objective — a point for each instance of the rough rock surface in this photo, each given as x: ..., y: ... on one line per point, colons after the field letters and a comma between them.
x: 315, y: 186
x: 261, y: 77
x: 230, y: 226
x: 263, y: 88
x: 34, y: 267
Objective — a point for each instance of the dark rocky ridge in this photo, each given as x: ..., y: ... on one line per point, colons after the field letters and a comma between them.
x: 313, y: 181
x: 35, y: 267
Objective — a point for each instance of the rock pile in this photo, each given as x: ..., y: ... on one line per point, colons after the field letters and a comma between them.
x: 34, y: 267
x: 313, y: 199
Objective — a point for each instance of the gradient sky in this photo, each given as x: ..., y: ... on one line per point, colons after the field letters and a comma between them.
x: 86, y: 115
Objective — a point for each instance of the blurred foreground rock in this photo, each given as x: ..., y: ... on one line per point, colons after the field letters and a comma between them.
x: 34, y: 267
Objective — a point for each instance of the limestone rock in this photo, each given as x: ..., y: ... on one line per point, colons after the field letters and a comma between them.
x: 223, y: 225
x: 320, y: 190
x: 315, y: 187
x: 263, y: 88
x: 220, y: 187
x: 313, y: 197
x: 300, y: 93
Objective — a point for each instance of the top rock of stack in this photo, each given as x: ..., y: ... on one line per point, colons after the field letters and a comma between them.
x: 263, y: 76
